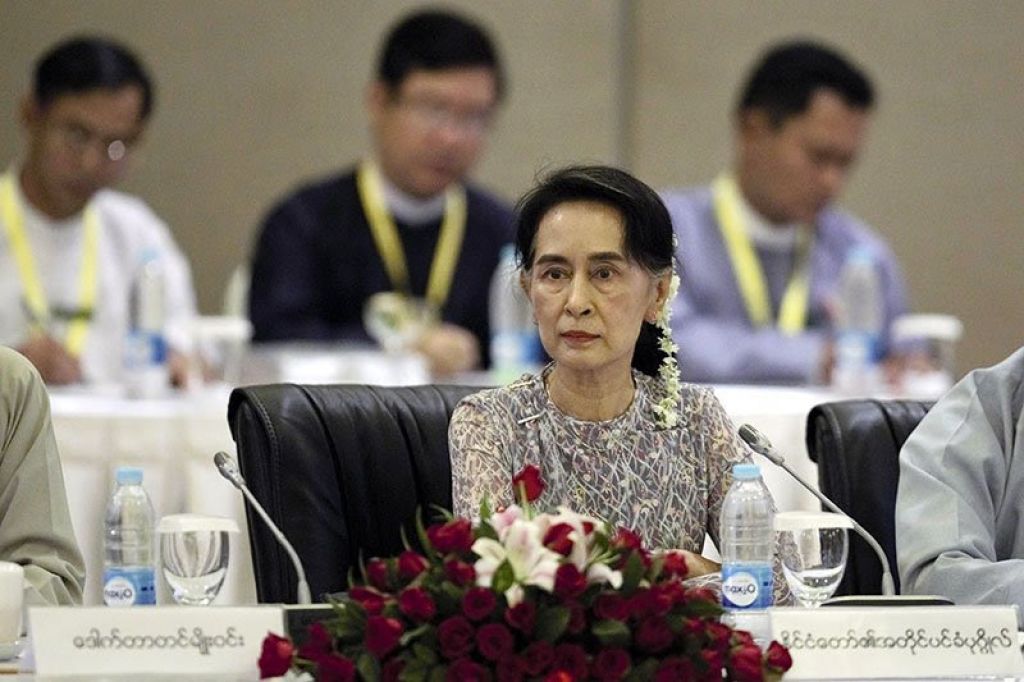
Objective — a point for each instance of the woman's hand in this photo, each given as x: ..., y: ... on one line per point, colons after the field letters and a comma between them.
x: 698, y: 564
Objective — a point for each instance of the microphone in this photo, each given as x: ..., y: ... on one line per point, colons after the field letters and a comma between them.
x: 228, y: 468
x: 761, y: 445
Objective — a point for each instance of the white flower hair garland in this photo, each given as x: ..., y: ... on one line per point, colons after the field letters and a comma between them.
x: 669, y: 370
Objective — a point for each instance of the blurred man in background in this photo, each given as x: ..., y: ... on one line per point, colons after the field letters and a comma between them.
x: 69, y: 246
x: 762, y: 248
x: 403, y: 219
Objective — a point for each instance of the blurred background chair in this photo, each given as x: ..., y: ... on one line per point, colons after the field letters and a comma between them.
x: 342, y: 470
x: 856, y: 445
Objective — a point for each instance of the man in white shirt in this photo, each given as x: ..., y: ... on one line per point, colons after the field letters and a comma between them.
x: 69, y: 246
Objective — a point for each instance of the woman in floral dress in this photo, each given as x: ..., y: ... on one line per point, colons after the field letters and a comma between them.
x: 608, y: 423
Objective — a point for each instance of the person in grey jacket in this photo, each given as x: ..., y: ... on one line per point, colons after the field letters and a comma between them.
x: 35, y: 525
x: 960, y: 502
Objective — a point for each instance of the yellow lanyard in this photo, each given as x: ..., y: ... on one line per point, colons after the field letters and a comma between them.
x: 750, y: 275
x: 35, y: 297
x: 385, y: 236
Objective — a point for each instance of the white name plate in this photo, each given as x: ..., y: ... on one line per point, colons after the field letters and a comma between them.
x: 151, y: 639
x: 899, y: 641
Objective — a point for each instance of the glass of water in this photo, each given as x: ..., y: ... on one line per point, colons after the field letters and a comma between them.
x: 194, y: 555
x: 813, y: 548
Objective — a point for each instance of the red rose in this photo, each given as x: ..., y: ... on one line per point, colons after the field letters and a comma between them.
x: 675, y: 668
x: 379, y: 574
x: 611, y: 606
x: 718, y: 635
x: 745, y: 663
x: 714, y: 660
x: 411, y: 564
x: 478, y: 603
x: 675, y: 565
x: 741, y: 637
x: 454, y: 536
x: 560, y: 676
x: 455, y: 635
x: 571, y: 658
x: 701, y: 594
x: 626, y: 539
x: 778, y: 658
x: 318, y: 643
x: 417, y: 603
x: 459, y: 572
x: 653, y: 635
x: 390, y: 671
x: 382, y: 635
x: 663, y: 596
x: 276, y: 656
x: 641, y: 603
x: 494, y: 641
x: 569, y: 582
x: 511, y: 669
x: 557, y: 538
x: 372, y: 602
x: 522, y: 616
x: 577, y: 618
x: 537, y: 657
x: 465, y: 670
x: 611, y: 665
x: 528, y: 482
x: 335, y: 668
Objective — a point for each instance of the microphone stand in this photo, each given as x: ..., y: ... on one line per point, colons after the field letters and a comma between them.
x: 229, y: 470
x: 761, y: 445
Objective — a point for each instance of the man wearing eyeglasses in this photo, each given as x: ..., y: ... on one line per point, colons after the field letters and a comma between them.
x: 69, y: 246
x: 402, y: 220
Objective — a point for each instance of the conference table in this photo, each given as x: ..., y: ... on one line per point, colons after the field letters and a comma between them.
x: 174, y: 439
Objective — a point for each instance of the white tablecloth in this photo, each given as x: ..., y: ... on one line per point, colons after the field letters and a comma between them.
x: 174, y: 440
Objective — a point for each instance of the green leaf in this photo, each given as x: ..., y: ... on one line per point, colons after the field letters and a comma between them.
x: 421, y: 533
x: 485, y: 530
x: 503, y: 578
x: 611, y: 632
x: 643, y: 672
x: 704, y: 608
x: 485, y: 509
x: 415, y: 670
x: 368, y: 667
x: 551, y: 623
x: 632, y: 573
x: 424, y: 654
x: 438, y: 674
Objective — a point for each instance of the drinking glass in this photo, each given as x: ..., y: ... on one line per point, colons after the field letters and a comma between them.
x: 194, y: 554
x: 395, y: 321
x: 813, y: 548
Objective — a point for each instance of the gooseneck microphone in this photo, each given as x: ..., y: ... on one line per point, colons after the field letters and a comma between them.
x: 228, y: 468
x: 761, y: 445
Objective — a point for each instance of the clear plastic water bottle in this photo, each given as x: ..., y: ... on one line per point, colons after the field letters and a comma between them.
x: 513, y: 337
x: 145, y: 353
x: 129, y: 555
x: 748, y: 542
x: 859, y: 325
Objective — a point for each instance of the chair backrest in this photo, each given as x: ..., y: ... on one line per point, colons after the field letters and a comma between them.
x: 856, y: 444
x: 342, y: 470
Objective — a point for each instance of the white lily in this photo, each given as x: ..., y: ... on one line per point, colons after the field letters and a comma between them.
x: 532, y: 563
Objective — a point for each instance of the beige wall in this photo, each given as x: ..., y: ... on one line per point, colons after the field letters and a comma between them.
x: 256, y: 96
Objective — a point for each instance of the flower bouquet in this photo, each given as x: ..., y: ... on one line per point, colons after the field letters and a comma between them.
x: 525, y: 596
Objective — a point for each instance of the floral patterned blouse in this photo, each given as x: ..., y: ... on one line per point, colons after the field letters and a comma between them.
x: 666, y: 484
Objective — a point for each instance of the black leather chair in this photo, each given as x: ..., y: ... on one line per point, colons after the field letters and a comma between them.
x: 856, y: 444
x: 341, y: 470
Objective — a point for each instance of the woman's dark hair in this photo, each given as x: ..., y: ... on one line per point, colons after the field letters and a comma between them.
x: 86, y: 63
x: 646, y: 229
x: 434, y: 40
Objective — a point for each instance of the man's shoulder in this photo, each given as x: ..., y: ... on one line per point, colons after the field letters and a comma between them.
x: 842, y: 228
x: 319, y: 190
x: 688, y: 206
x: 125, y: 208
x: 486, y: 208
x: 16, y: 373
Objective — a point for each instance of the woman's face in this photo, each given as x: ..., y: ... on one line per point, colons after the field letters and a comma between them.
x: 588, y: 298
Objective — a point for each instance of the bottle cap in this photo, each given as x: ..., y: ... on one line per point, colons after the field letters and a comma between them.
x: 746, y: 471
x: 128, y: 475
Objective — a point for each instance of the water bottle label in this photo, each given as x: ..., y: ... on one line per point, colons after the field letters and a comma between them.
x: 129, y: 586
x: 143, y: 349
x: 747, y: 586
